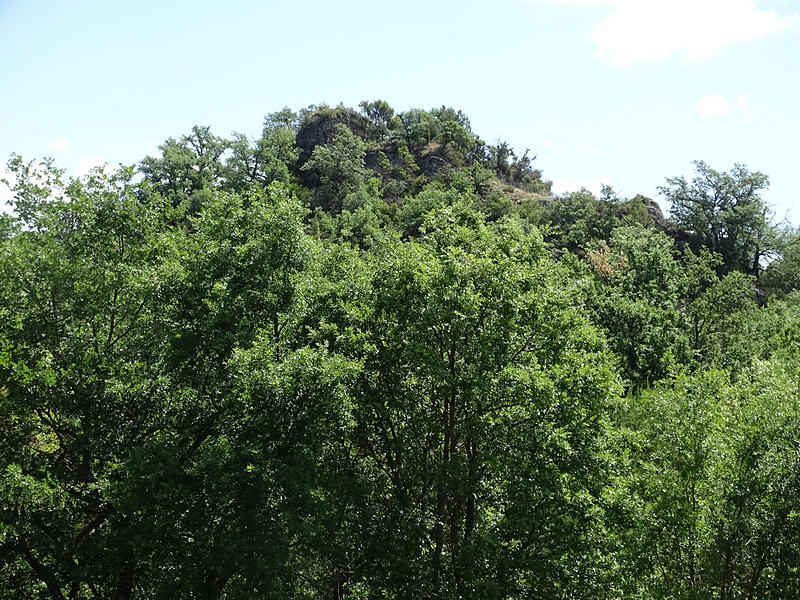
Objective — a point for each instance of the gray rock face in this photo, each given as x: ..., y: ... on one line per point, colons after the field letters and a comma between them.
x: 313, y: 135
x: 654, y: 210
x: 372, y: 158
x: 321, y: 128
x: 431, y: 163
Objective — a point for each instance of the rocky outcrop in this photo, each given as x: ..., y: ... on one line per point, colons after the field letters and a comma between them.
x: 373, y: 158
x: 320, y: 128
x: 431, y: 163
x: 309, y: 136
x: 655, y: 213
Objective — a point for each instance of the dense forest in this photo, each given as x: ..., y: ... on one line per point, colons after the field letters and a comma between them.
x: 368, y: 355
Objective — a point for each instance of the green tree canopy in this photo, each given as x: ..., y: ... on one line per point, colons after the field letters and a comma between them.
x: 724, y: 213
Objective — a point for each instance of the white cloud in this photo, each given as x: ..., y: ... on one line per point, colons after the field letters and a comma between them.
x: 718, y: 105
x: 61, y: 145
x: 654, y: 30
x: 743, y: 101
x: 588, y: 148
x: 550, y: 145
x: 713, y: 105
x: 562, y: 186
x: 87, y: 163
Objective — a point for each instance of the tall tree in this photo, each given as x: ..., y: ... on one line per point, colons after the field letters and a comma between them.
x: 724, y: 213
x: 79, y: 380
x: 270, y: 158
x: 188, y: 167
x: 713, y: 485
x: 481, y: 408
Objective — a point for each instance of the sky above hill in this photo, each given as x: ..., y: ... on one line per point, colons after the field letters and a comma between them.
x: 626, y: 92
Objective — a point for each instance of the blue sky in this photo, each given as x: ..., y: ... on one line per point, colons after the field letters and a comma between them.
x: 623, y: 91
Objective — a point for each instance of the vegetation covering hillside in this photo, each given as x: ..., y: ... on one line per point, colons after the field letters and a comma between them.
x: 369, y: 356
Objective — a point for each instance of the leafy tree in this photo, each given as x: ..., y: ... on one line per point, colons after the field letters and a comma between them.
x: 271, y: 158
x: 782, y: 275
x: 415, y: 209
x: 499, y: 156
x: 188, y: 168
x: 207, y: 390
x: 713, y: 495
x: 481, y: 411
x: 455, y: 135
x: 421, y: 128
x: 364, y: 219
x: 577, y: 218
x: 79, y: 379
x: 724, y: 213
x: 380, y: 115
x: 638, y: 286
x: 717, y: 317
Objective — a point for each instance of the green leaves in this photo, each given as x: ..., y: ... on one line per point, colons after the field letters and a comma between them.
x: 723, y: 212
x: 711, y: 481
x: 483, y: 406
x: 205, y: 392
x: 339, y: 165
